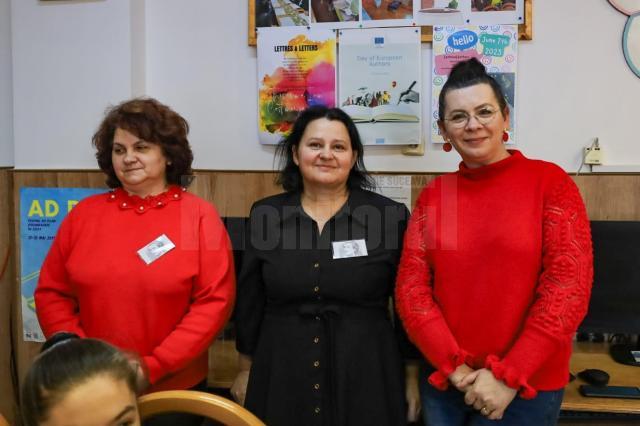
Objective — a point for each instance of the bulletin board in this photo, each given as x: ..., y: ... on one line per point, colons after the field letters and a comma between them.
x: 525, y: 30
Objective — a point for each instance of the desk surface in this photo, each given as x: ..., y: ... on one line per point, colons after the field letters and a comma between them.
x: 596, y: 355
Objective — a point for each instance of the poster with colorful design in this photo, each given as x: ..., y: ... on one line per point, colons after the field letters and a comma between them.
x: 41, y: 212
x: 495, y: 46
x: 380, y: 84
x: 296, y: 70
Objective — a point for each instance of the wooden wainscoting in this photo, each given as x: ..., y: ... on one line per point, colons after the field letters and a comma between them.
x: 8, y: 385
x: 608, y: 197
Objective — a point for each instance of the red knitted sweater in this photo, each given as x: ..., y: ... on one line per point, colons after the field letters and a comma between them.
x: 94, y: 284
x: 496, y: 272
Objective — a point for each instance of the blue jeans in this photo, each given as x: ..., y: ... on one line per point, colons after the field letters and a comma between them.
x: 447, y: 408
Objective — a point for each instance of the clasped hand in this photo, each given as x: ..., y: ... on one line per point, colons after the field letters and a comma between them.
x: 483, y: 391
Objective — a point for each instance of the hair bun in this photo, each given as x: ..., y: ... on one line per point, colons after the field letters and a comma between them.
x: 467, y: 70
x: 469, y: 73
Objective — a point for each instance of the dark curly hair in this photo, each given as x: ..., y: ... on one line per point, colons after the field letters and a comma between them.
x: 290, y: 177
x: 469, y: 73
x: 152, y: 122
x: 64, y: 365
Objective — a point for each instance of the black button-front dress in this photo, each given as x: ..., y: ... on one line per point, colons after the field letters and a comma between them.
x: 319, y: 329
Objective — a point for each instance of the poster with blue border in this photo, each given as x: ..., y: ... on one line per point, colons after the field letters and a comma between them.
x: 41, y: 212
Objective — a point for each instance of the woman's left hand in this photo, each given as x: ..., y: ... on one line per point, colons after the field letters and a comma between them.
x: 412, y: 392
x: 487, y: 394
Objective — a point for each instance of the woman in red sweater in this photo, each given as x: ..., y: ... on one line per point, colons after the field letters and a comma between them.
x: 496, y: 269
x: 147, y: 267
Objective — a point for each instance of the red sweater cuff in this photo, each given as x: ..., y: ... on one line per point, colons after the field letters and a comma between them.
x: 510, y: 377
x: 439, y: 379
x: 153, y: 369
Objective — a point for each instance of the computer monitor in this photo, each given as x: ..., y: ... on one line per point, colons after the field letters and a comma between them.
x: 615, y: 298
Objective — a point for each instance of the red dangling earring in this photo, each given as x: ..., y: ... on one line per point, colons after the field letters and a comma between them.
x: 446, y: 147
x: 505, y: 136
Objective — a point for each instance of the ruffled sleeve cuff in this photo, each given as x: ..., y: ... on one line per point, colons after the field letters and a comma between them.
x: 510, y: 376
x: 439, y: 379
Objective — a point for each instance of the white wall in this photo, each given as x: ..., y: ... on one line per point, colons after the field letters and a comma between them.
x: 573, y: 83
x: 70, y: 60
x: 6, y: 97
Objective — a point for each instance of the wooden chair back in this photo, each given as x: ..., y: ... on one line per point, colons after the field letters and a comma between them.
x: 201, y: 403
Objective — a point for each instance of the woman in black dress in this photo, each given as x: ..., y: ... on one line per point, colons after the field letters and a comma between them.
x: 314, y: 329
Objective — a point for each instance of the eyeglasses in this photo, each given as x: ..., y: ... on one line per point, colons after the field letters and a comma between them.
x: 461, y: 119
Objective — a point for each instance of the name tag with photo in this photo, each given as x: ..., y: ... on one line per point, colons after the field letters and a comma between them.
x: 156, y: 249
x: 349, y: 248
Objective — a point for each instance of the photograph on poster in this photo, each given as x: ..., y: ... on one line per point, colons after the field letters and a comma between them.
x: 335, y: 11
x: 507, y: 81
x: 426, y: 13
x: 476, y: 12
x: 296, y: 70
x: 439, y: 6
x: 377, y: 10
x: 494, y: 12
x: 440, y: 12
x: 493, y: 5
x: 375, y: 105
x: 282, y: 13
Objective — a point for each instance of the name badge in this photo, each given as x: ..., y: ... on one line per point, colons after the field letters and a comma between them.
x: 349, y: 248
x: 156, y: 249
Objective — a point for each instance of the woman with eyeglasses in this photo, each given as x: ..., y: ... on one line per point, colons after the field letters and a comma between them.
x: 496, y: 270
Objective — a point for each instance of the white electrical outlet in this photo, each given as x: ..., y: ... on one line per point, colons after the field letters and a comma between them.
x: 593, y: 156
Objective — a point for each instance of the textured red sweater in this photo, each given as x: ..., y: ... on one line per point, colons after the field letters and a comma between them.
x: 94, y: 284
x: 496, y: 272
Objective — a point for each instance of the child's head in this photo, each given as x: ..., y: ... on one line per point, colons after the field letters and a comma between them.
x: 80, y: 382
